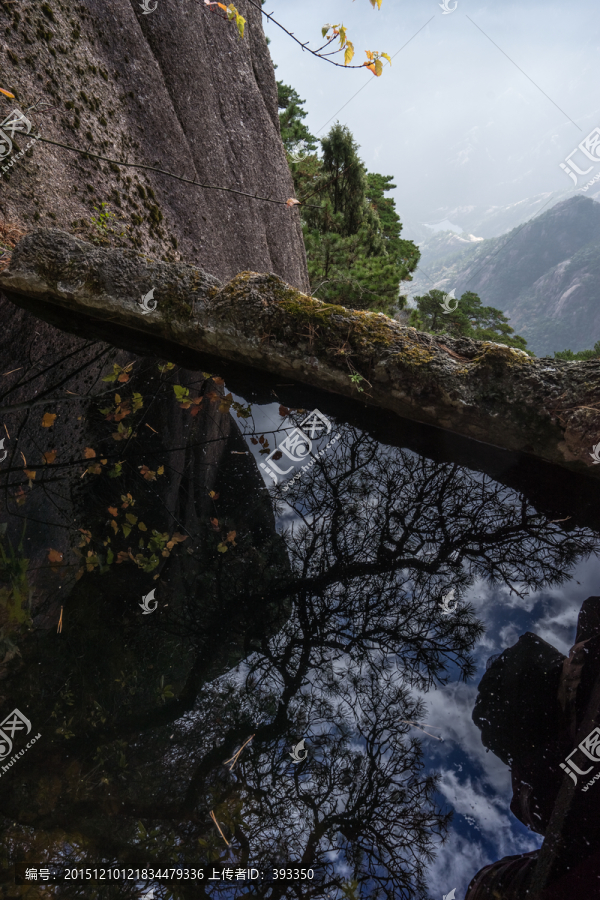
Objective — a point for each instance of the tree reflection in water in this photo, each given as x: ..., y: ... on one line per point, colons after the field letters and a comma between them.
x: 315, y: 631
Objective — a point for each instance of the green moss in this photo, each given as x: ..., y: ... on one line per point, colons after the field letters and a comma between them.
x: 414, y: 355
x: 47, y: 10
x: 366, y: 329
x: 155, y: 214
x: 494, y: 353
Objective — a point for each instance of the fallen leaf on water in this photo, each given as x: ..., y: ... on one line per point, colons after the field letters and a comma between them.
x: 55, y: 556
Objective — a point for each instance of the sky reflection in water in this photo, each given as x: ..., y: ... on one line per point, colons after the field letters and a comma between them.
x: 309, y: 614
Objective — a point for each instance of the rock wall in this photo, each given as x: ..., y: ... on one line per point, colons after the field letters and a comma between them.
x: 176, y: 89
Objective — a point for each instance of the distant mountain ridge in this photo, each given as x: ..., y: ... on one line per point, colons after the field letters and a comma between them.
x: 545, y: 275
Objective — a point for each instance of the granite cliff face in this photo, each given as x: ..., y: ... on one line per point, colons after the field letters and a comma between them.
x: 176, y: 89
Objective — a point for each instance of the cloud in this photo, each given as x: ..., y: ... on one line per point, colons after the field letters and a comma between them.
x: 491, y: 814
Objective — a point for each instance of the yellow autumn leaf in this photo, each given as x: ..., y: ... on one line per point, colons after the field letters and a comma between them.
x: 49, y: 456
x: 30, y: 474
x: 160, y: 470
x: 349, y: 53
x: 89, y: 453
x: 7, y: 94
x: 48, y: 420
x: 55, y: 557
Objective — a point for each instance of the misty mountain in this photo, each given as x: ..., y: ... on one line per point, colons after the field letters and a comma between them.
x: 487, y: 221
x: 544, y: 274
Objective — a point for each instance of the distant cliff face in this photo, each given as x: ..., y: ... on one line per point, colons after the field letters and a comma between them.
x: 175, y: 89
x: 543, y: 275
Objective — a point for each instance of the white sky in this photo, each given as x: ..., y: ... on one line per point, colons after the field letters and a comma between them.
x: 456, y: 122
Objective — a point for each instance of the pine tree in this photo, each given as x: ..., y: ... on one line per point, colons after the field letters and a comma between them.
x: 469, y: 319
x: 293, y: 129
x: 355, y: 258
x: 399, y: 249
x: 580, y: 355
